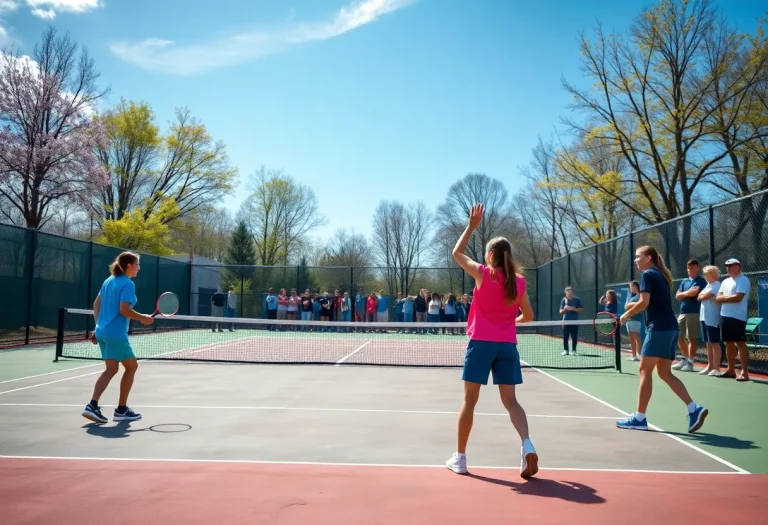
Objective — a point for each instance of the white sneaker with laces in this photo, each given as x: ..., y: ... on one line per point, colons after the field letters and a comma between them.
x: 687, y: 366
x: 457, y: 463
x: 680, y: 364
x: 529, y: 460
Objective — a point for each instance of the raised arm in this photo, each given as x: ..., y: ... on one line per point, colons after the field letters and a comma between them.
x: 470, y: 266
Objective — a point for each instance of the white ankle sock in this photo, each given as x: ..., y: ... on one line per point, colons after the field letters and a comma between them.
x: 640, y: 416
x: 691, y: 407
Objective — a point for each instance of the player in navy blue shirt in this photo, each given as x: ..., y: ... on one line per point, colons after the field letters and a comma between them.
x: 660, y: 345
x: 570, y: 308
x: 688, y: 321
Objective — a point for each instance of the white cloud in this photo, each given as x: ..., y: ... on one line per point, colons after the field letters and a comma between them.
x: 43, y: 13
x: 8, y: 5
x: 74, y: 6
x: 164, y: 55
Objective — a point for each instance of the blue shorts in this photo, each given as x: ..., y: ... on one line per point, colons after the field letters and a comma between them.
x: 482, y: 357
x: 116, y: 349
x: 662, y: 344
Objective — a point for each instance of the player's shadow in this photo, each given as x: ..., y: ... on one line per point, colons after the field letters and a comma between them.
x: 122, y: 429
x: 715, y: 440
x: 549, y: 488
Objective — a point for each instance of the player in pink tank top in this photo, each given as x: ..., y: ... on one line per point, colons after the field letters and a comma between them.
x: 499, y: 304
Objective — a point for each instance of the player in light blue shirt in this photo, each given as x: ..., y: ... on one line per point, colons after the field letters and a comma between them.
x: 112, y: 311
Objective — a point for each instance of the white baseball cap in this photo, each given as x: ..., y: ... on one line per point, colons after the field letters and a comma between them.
x: 732, y: 261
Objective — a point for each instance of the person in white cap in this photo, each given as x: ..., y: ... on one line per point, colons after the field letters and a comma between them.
x: 733, y: 296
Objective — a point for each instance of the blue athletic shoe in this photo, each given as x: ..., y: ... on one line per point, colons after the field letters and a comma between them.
x: 696, y: 418
x: 632, y: 423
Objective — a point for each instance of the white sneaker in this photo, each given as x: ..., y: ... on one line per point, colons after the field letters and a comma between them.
x: 715, y: 373
x: 680, y: 364
x: 457, y: 463
x: 529, y: 460
x: 565, y: 352
x: 687, y: 366
x: 704, y: 371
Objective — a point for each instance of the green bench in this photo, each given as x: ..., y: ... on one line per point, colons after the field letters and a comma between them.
x: 753, y: 333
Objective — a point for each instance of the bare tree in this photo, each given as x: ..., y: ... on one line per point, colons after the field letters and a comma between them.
x: 399, y: 242
x: 498, y: 219
x: 46, y: 134
x: 280, y: 214
x: 207, y: 232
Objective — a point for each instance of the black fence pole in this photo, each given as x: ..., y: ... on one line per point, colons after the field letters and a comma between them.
x: 242, y: 284
x: 711, y: 235
x: 157, y: 287
x: 551, y: 287
x: 189, y: 286
x: 597, y: 290
x: 89, y: 287
x: 30, y: 284
x: 631, y: 257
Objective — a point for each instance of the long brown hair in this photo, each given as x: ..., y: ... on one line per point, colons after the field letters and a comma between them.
x: 117, y: 268
x: 501, y: 259
x: 658, y: 261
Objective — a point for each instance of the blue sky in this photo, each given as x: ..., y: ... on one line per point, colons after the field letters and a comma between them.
x: 360, y: 100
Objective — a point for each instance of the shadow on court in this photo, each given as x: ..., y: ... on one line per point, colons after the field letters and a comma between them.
x: 122, y: 429
x: 549, y: 488
x: 714, y: 440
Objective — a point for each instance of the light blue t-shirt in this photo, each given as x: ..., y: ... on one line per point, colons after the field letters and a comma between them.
x: 111, y: 323
x: 271, y: 302
x: 408, y: 306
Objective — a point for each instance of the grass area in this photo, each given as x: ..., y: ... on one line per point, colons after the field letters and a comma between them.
x: 731, y: 431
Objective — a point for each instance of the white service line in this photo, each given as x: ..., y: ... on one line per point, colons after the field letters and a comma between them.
x: 375, y: 465
x: 48, y: 373
x: 738, y: 470
x: 304, y: 409
x: 49, y: 382
x: 354, y: 352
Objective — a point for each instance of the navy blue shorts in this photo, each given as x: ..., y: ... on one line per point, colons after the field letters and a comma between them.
x: 662, y: 344
x: 710, y: 334
x: 484, y: 357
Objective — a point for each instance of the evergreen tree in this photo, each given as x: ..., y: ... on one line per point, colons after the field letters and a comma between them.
x: 241, y: 251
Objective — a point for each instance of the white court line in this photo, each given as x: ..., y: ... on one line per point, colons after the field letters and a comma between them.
x: 49, y: 382
x: 379, y: 465
x: 48, y: 373
x: 307, y: 409
x: 353, y: 353
x: 739, y: 470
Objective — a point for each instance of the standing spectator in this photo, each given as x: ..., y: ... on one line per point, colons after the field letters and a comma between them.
x: 450, y: 311
x: 420, y: 305
x: 433, y: 315
x: 733, y: 297
x: 271, y: 302
x: 315, y: 306
x: 360, y: 306
x: 610, y: 302
x: 282, y: 305
x: 570, y: 308
x: 231, y: 306
x: 399, y: 303
x: 346, y: 308
x: 293, y: 306
x: 688, y: 320
x: 408, y: 309
x: 382, y: 307
x: 710, y: 320
x: 634, y: 325
x: 326, y: 308
x: 370, y: 308
x: 218, y: 301
x: 306, y: 307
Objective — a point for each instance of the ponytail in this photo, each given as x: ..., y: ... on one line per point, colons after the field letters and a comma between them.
x: 501, y: 258
x: 657, y: 261
x: 117, y: 267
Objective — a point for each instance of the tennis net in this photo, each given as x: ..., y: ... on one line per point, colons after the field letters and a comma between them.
x: 229, y: 339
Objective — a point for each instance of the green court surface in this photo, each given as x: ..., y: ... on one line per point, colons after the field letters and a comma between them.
x: 734, y: 430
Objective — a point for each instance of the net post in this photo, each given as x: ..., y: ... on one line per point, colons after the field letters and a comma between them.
x: 597, y: 289
x: 617, y: 347
x: 157, y: 286
x: 60, y: 334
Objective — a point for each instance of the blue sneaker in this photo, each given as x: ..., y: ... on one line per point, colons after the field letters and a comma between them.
x: 696, y: 418
x: 632, y: 423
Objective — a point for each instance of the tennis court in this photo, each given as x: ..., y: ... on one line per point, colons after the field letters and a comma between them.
x: 313, y: 443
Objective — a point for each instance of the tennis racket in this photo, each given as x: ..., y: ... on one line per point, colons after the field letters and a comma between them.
x: 606, y: 323
x: 167, y: 305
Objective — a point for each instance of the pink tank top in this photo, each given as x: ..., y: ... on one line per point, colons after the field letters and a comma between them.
x: 491, y: 318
